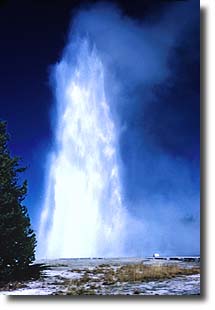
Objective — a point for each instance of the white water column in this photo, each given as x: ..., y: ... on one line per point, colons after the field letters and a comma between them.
x: 83, y: 214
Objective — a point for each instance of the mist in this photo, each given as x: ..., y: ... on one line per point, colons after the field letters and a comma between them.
x: 155, y: 101
x: 151, y: 69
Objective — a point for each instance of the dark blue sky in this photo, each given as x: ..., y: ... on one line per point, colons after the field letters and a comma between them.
x: 160, y: 142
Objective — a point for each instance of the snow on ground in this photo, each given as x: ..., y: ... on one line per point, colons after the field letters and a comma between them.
x: 188, y: 285
x: 59, y: 274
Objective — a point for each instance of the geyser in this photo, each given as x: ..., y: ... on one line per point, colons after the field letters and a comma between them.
x: 83, y: 215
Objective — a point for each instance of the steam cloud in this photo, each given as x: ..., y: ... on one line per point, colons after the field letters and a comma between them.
x: 154, y: 100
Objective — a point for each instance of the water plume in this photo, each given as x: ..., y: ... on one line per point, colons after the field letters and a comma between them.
x: 123, y: 176
x: 83, y: 214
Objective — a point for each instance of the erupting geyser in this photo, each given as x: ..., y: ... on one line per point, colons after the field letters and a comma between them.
x: 83, y: 214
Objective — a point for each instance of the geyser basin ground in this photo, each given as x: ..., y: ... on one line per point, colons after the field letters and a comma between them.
x: 121, y: 276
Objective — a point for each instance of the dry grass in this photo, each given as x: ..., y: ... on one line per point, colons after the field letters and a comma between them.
x: 104, y: 275
x: 80, y: 291
x: 12, y: 286
x: 140, y: 272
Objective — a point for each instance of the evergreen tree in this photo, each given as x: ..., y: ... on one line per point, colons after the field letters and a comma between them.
x: 17, y: 239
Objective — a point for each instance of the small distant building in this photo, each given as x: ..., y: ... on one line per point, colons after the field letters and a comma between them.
x: 156, y: 255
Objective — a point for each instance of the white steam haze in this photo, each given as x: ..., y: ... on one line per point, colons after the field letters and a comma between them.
x: 86, y: 212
